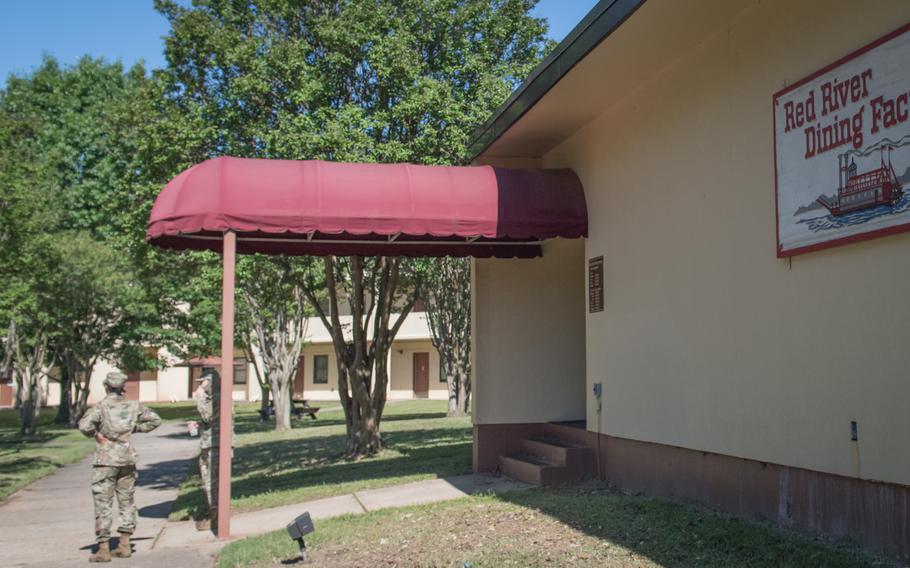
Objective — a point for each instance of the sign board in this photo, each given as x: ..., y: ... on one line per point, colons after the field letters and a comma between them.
x: 842, y: 150
x: 596, y: 284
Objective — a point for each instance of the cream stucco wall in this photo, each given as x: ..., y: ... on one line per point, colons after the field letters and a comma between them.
x: 708, y: 341
x: 315, y: 391
x: 173, y: 383
x: 401, y: 370
x: 529, y: 336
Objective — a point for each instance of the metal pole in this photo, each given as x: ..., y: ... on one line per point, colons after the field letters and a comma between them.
x: 225, y: 430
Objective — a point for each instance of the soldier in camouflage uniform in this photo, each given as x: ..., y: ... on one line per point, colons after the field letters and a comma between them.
x: 205, y: 406
x: 206, y: 410
x: 112, y: 422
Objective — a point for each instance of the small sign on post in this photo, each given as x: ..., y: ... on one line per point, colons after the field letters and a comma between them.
x: 596, y: 284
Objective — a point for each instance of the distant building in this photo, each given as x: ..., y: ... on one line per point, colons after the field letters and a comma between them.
x: 413, y: 371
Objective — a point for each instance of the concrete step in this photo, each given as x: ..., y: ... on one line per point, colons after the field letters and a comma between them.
x: 522, y: 467
x: 536, y: 471
x: 573, y: 434
x: 559, y: 452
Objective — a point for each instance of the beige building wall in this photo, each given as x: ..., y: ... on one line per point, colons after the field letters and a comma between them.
x: 529, y: 336
x: 172, y: 384
x: 96, y: 383
x: 50, y: 391
x: 401, y: 370
x: 708, y: 341
x: 311, y: 390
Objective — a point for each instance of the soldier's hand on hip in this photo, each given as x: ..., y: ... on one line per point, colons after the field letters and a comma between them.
x: 99, y: 437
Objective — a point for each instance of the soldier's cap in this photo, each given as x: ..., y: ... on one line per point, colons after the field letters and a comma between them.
x: 115, y: 380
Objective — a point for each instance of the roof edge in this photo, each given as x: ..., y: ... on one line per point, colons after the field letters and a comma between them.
x: 596, y: 26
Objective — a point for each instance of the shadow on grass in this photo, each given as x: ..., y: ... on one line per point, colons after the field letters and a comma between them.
x: 250, y: 424
x: 10, y: 439
x: 23, y: 464
x: 293, y: 464
x: 12, y: 472
x: 676, y: 534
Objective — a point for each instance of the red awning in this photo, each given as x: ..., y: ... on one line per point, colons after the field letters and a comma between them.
x: 318, y: 208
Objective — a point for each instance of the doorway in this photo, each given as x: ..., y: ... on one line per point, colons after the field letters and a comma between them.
x: 299, y: 378
x: 421, y: 375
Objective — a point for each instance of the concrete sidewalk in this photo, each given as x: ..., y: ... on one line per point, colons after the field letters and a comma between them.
x: 184, y: 534
x: 51, y: 522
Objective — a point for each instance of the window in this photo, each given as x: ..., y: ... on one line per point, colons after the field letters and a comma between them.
x: 320, y: 369
x: 240, y: 372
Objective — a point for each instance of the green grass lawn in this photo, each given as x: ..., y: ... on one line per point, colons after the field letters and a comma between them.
x: 567, y: 527
x: 168, y: 411
x: 272, y: 469
x: 23, y: 460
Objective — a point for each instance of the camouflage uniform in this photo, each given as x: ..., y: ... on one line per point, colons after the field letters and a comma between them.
x: 206, y: 408
x: 114, y: 467
x: 206, y: 420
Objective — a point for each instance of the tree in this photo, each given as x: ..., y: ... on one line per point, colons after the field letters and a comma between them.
x: 448, y: 305
x: 348, y: 80
x: 27, y: 210
x: 95, y: 307
x: 273, y: 297
x: 373, y: 287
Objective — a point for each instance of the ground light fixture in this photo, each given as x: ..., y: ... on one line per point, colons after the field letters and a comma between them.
x: 299, y: 528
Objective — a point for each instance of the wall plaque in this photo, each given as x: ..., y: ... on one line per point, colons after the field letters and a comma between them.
x: 596, y: 284
x: 842, y: 149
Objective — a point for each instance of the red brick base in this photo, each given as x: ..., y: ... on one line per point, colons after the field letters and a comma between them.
x: 873, y: 514
x: 493, y: 440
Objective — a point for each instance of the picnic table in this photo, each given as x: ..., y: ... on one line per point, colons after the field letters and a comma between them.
x: 300, y: 407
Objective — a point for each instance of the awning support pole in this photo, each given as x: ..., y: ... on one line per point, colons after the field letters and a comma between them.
x: 225, y: 410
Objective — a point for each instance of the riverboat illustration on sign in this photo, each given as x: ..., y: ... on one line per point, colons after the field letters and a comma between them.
x: 864, y: 190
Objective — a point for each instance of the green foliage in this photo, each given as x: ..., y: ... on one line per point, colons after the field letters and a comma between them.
x: 355, y: 80
x: 85, y: 149
x: 74, y: 198
x: 352, y: 80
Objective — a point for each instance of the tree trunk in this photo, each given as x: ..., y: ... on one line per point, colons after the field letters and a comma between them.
x: 80, y: 400
x: 448, y: 316
x: 264, y: 403
x: 279, y: 334
x: 30, y: 405
x: 264, y: 386
x: 454, y: 408
x: 371, y: 294
x: 464, y: 396
x: 66, y: 396
x: 28, y: 366
x: 453, y: 385
x: 281, y: 403
x: 364, y: 438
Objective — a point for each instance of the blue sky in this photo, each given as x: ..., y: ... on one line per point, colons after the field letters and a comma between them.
x: 130, y: 30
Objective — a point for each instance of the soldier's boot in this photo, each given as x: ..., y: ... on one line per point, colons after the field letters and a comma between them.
x: 103, y: 554
x: 123, y: 549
